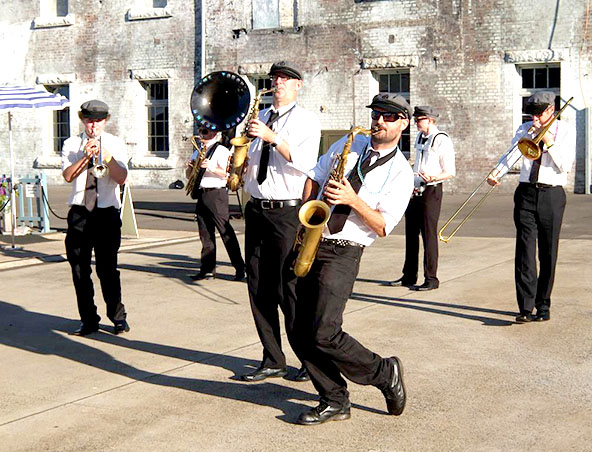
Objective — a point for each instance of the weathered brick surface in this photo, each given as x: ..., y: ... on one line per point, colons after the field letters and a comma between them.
x: 461, y: 57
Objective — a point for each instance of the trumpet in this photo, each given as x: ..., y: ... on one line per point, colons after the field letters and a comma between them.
x: 527, y: 147
x: 100, y: 168
x: 201, y: 155
x: 315, y: 214
x: 237, y: 164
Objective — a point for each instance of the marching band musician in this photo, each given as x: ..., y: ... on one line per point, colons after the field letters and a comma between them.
x: 211, y: 208
x: 434, y: 163
x: 539, y: 203
x: 93, y: 219
x: 385, y: 182
x: 286, y: 147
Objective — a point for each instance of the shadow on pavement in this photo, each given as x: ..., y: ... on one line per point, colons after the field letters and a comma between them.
x: 425, y: 306
x: 43, y: 334
x: 178, y: 266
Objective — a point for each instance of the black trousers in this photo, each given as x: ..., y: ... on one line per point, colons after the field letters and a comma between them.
x: 538, y: 213
x: 212, y: 213
x: 421, y: 217
x: 99, y: 230
x: 327, y: 351
x: 269, y: 238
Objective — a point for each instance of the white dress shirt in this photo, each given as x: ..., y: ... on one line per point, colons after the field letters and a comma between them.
x: 386, y: 188
x: 218, y: 159
x: 434, y: 155
x: 301, y: 129
x: 107, y: 189
x: 556, y: 161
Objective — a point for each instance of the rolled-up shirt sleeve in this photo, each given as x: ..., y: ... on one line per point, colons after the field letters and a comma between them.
x: 512, y: 155
x: 393, y: 204
x: 562, y: 152
x: 303, y: 137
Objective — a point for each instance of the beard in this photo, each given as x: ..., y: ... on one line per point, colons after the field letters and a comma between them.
x: 383, y: 136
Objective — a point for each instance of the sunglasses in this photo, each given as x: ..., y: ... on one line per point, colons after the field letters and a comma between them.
x: 386, y: 116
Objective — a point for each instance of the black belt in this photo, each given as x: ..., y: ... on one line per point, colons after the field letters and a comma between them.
x: 341, y: 242
x: 210, y: 189
x: 267, y: 204
x: 539, y: 185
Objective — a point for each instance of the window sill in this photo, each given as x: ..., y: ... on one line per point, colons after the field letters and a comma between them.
x: 149, y: 162
x: 48, y: 162
x: 148, y: 13
x: 236, y: 34
x: 54, y: 22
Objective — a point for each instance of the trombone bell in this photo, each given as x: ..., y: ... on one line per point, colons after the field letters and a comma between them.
x: 529, y: 149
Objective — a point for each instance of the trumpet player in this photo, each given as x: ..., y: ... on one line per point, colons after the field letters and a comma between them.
x: 93, y: 219
x: 368, y: 204
x: 434, y: 164
x: 285, y: 149
x: 539, y: 203
x: 211, y: 208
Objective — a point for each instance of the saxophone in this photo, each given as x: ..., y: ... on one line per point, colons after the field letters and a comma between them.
x: 201, y: 155
x: 315, y: 214
x: 239, y: 159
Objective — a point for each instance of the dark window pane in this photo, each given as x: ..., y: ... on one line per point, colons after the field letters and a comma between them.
x: 540, y: 78
x: 527, y: 78
x: 554, y: 77
x: 404, y: 83
x: 383, y: 83
x: 395, y: 83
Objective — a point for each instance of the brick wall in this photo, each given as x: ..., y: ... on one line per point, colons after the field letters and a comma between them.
x: 461, y: 57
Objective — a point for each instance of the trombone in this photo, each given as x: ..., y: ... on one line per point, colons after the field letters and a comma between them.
x: 527, y: 147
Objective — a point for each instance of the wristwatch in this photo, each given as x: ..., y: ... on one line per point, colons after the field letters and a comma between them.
x: 277, y: 141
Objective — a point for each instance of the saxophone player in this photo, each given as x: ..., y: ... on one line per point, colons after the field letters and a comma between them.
x: 368, y: 203
x: 285, y: 149
x: 211, y: 208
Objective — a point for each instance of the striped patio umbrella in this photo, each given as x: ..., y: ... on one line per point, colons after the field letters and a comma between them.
x: 16, y: 98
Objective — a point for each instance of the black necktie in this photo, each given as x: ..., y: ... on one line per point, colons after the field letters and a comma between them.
x: 533, y: 178
x: 264, y: 161
x: 90, y: 191
x: 342, y: 211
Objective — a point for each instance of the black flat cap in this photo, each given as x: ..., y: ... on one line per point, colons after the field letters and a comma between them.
x: 426, y: 110
x: 392, y: 103
x: 94, y: 109
x: 286, y: 67
x: 539, y: 101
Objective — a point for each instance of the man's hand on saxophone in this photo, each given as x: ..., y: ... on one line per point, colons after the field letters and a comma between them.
x: 340, y: 193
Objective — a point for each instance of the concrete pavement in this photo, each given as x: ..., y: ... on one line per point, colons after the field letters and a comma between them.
x: 476, y: 381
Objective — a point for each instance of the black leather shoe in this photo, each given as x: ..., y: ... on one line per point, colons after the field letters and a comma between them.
x: 302, y: 375
x: 394, y: 391
x: 121, y: 326
x: 264, y: 372
x: 400, y: 282
x: 525, y: 318
x: 205, y: 275
x: 542, y: 316
x: 85, y: 330
x: 324, y: 413
x: 239, y: 276
x: 426, y: 286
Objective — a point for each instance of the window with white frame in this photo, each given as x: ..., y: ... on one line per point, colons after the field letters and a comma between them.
x: 261, y: 83
x: 540, y: 77
x: 266, y: 14
x: 397, y: 82
x: 157, y: 106
x: 61, y: 119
